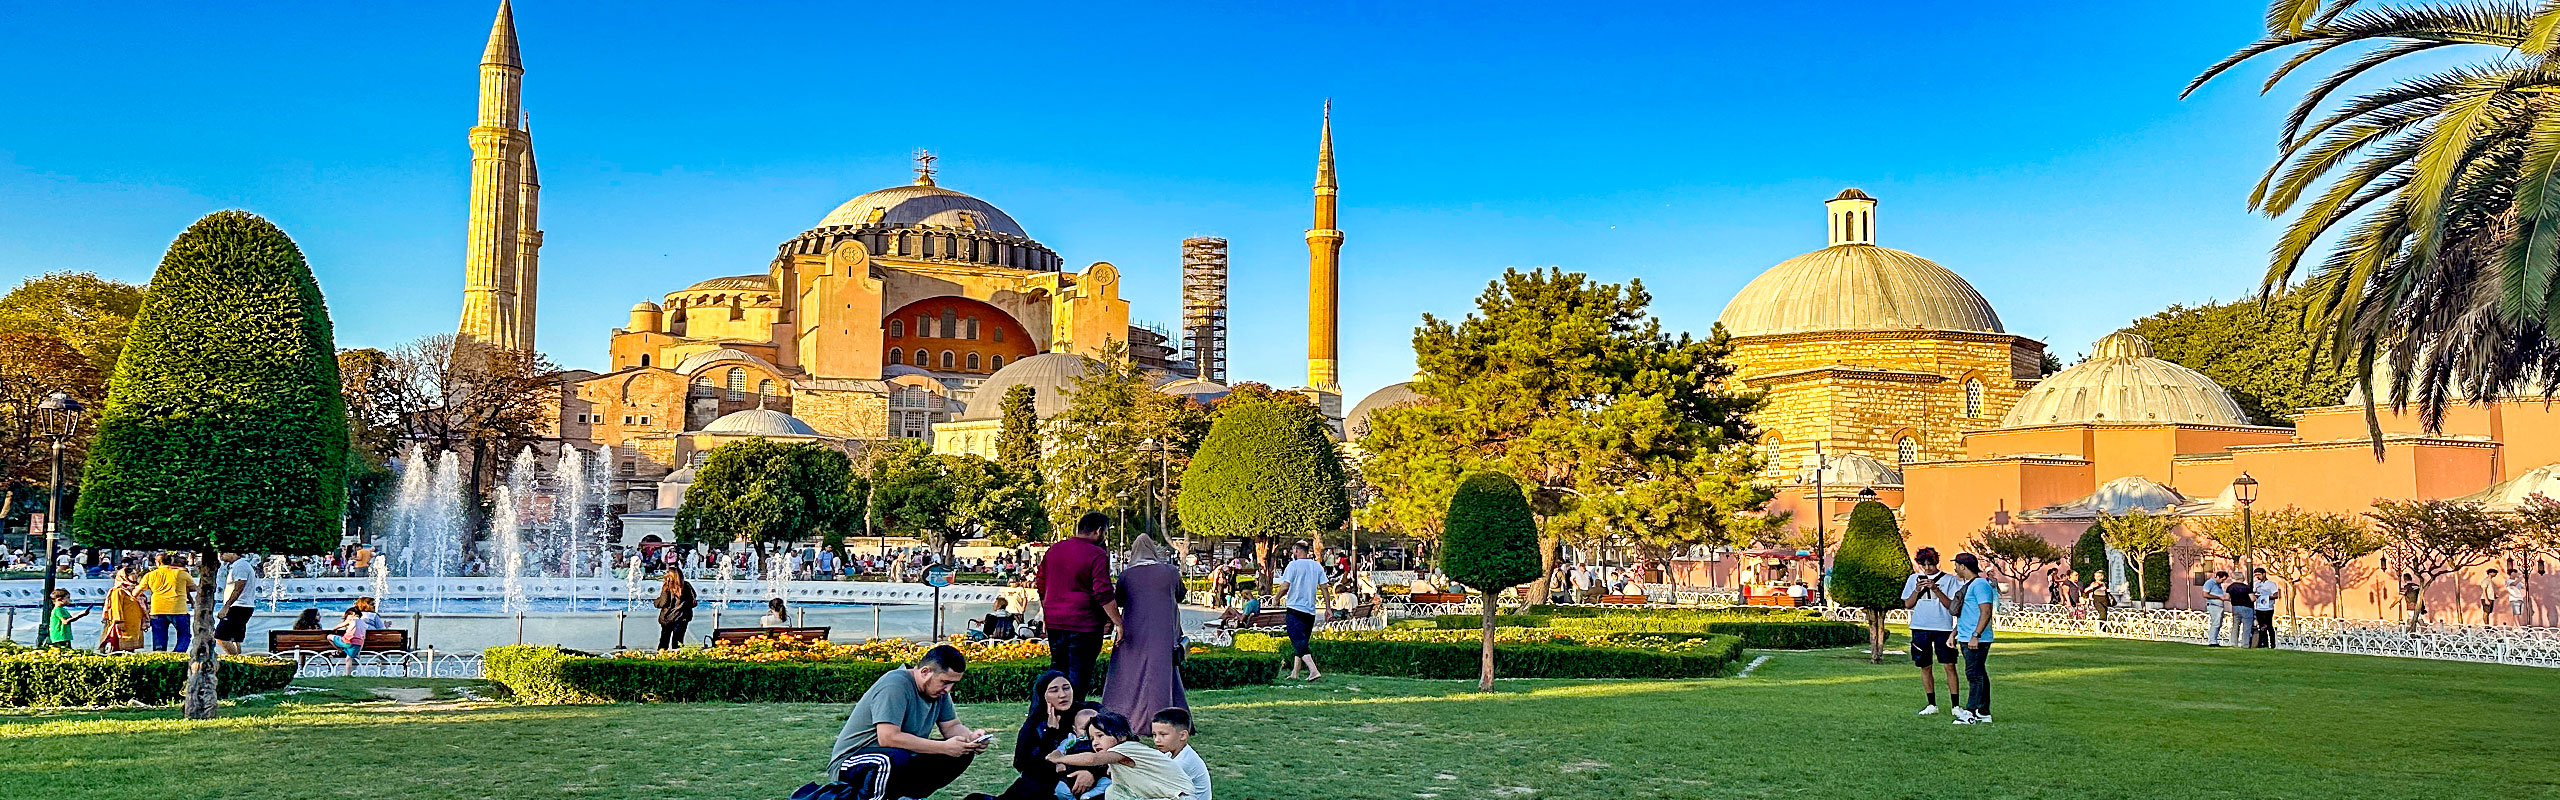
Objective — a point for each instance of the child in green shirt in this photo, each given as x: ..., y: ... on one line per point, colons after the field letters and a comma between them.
x: 58, y: 624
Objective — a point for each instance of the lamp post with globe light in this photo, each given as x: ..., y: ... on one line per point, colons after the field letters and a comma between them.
x: 2245, y: 490
x: 58, y: 417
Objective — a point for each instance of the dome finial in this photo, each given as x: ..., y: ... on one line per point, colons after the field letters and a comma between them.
x: 1853, y: 218
x: 924, y: 166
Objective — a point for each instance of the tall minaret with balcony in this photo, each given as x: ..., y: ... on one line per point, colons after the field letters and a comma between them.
x: 1324, y: 269
x: 497, y: 267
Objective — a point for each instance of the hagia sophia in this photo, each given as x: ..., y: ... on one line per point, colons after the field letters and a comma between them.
x: 903, y: 312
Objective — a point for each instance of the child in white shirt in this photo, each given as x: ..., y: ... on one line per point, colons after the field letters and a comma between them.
x: 1138, y: 770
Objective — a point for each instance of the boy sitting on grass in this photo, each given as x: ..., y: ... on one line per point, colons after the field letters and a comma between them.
x: 1138, y: 771
x: 1172, y: 729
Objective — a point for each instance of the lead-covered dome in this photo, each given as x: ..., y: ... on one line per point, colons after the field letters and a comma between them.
x: 1854, y: 285
x: 1051, y: 376
x: 2123, y: 382
x: 759, y: 422
x: 922, y: 204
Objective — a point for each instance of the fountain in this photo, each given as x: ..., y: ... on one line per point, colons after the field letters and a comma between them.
x: 275, y: 570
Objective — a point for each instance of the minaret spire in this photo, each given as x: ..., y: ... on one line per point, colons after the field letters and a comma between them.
x: 1324, y: 260
x: 493, y: 270
x: 528, y: 237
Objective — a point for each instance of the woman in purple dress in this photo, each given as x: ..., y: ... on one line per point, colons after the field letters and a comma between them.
x: 1144, y: 677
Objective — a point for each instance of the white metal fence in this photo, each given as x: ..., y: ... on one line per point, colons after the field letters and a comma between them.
x: 2497, y: 644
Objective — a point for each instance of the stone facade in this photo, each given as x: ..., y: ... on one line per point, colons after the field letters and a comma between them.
x: 1867, y: 391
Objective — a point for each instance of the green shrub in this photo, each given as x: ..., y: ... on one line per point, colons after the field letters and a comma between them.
x: 1469, y: 622
x: 2155, y: 577
x: 1709, y: 657
x: 1805, y: 635
x: 545, y: 675
x: 76, y: 678
x: 1199, y: 587
x: 2089, y: 554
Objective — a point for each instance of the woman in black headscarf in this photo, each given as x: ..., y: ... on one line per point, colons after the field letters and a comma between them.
x: 1053, y: 703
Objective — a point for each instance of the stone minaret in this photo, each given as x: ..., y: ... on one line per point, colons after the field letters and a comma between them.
x: 492, y: 268
x: 528, y: 241
x: 1324, y: 268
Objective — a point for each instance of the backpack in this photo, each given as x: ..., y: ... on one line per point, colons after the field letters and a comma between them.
x: 837, y: 790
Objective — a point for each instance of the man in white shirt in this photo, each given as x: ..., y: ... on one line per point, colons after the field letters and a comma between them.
x: 1172, y: 734
x: 2515, y: 596
x: 2215, y: 608
x: 1928, y: 593
x: 239, y: 580
x: 1582, y: 584
x: 1300, y: 582
x: 2265, y: 603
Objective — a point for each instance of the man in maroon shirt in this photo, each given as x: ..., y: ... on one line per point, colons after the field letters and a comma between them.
x: 1075, y: 596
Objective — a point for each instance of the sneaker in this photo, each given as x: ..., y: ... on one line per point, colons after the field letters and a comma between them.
x: 1929, y: 709
x: 1979, y: 719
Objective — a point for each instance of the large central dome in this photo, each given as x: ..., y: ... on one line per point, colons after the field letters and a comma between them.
x: 1853, y: 285
x: 922, y: 204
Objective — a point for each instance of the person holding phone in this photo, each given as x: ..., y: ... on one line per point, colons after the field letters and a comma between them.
x: 887, y: 750
x: 1927, y: 592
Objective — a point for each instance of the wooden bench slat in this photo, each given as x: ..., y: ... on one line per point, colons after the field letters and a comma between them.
x: 381, y: 640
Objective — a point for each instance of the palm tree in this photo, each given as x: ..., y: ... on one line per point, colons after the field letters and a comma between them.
x: 2439, y: 194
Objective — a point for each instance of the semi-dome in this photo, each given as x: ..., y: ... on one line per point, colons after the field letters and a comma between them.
x: 1853, y: 285
x: 2123, y: 382
x: 759, y: 422
x: 922, y: 204
x: 1051, y: 376
x: 1356, y: 421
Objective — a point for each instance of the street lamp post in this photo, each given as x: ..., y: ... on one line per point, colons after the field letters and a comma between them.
x: 2245, y: 490
x: 1821, y: 520
x: 1155, y: 497
x: 60, y: 417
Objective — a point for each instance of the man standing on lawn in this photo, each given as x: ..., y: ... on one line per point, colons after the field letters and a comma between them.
x: 887, y: 750
x: 169, y: 587
x: 2244, y: 610
x: 1976, y: 601
x: 1302, y: 580
x: 1076, y: 600
x: 1929, y: 594
x: 2215, y: 608
x: 2265, y: 592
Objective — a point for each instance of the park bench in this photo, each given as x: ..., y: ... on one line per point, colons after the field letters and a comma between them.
x: 1623, y: 600
x: 1775, y: 599
x: 734, y: 636
x: 384, y: 640
x: 1451, y: 598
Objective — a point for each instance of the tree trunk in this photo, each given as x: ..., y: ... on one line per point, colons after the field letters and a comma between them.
x: 203, y: 671
x: 1875, y: 635
x: 1539, y: 592
x: 1485, y: 682
x: 1262, y: 566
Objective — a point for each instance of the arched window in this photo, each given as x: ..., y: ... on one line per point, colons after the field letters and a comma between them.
x: 1775, y: 452
x: 948, y: 359
x: 999, y: 333
x: 1907, y: 450
x: 764, y: 388
x: 1973, y: 397
x: 898, y: 328
x: 950, y: 324
x: 737, y: 383
x: 973, y: 362
x: 996, y: 362
x: 895, y: 357
x: 973, y: 328
x: 924, y: 326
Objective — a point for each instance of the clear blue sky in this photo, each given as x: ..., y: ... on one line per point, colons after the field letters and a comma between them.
x: 2039, y: 149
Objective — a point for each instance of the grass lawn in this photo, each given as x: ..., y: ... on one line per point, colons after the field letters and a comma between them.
x: 2078, y: 719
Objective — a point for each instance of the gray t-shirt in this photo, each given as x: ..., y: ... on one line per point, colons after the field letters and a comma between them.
x: 1930, y: 614
x: 243, y: 571
x: 892, y: 699
x: 1304, y: 577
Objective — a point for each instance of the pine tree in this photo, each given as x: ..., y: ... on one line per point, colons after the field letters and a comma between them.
x: 1018, y: 436
x: 1491, y: 544
x: 1869, y: 570
x: 223, y: 429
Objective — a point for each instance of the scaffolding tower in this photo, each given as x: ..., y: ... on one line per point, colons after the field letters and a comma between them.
x: 1204, y: 305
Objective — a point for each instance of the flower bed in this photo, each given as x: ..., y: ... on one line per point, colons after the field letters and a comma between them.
x: 1517, y: 653
x: 30, y: 677
x: 767, y: 671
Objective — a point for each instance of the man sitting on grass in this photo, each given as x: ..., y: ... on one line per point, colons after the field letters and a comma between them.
x: 886, y: 751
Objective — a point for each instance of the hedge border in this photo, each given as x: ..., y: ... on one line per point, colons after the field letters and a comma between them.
x: 71, y: 678
x: 1458, y: 660
x: 551, y: 676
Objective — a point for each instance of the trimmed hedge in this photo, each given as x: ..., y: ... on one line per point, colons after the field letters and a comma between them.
x: 545, y: 675
x: 1793, y: 635
x: 1459, y: 660
x: 77, y: 678
x: 1471, y: 622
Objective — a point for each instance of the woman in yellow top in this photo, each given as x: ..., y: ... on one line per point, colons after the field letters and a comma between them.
x: 123, y: 613
x: 169, y: 586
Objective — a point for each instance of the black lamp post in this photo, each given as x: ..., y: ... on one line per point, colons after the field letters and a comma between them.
x: 2245, y: 490
x: 58, y: 417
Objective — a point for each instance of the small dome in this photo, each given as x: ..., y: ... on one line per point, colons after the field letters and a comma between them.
x: 1051, y: 376
x: 1201, y: 389
x: 679, y: 476
x: 1355, y: 423
x: 709, y: 357
x: 644, y: 305
x: 1857, y: 287
x: 759, y: 422
x: 919, y: 205
x: 2122, y: 382
x: 2118, y: 496
x: 1851, y: 193
x: 1851, y: 469
x: 757, y: 281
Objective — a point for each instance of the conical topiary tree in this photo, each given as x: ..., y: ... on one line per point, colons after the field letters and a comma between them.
x: 1490, y: 543
x: 223, y: 429
x: 1869, y: 570
x: 2089, y: 555
x: 1266, y: 470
